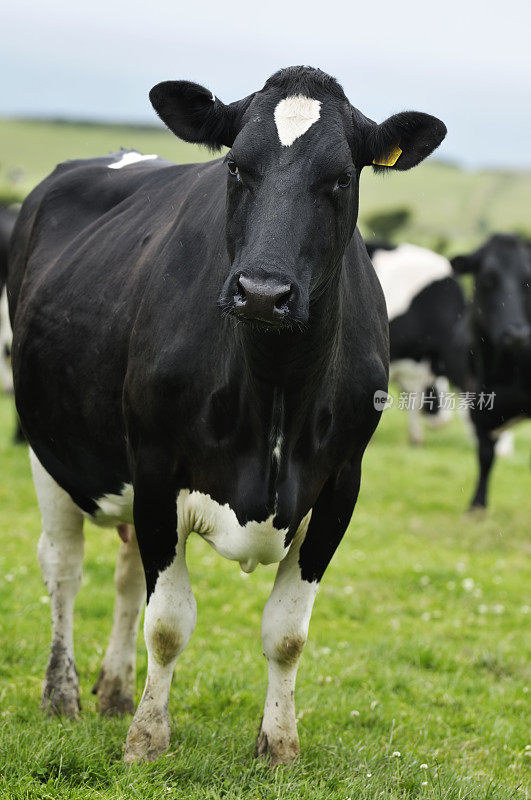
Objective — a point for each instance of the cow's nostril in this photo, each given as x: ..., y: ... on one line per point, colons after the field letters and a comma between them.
x: 282, y: 301
x: 240, y: 291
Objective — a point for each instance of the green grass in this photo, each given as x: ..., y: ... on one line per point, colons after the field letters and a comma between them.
x: 449, y: 205
x: 419, y: 645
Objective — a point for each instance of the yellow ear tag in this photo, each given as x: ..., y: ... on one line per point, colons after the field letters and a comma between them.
x: 391, y: 159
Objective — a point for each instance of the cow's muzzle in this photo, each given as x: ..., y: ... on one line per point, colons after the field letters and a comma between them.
x: 264, y: 301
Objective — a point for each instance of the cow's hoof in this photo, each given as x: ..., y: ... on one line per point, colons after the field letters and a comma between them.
x: 114, y: 697
x: 477, y: 511
x: 281, y: 748
x: 60, y: 691
x: 60, y: 701
x: 148, y: 736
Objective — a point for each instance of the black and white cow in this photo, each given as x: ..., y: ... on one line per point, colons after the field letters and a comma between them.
x: 501, y: 343
x: 197, y: 348
x: 427, y: 323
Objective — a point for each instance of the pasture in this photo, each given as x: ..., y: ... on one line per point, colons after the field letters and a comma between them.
x: 451, y: 208
x: 413, y: 683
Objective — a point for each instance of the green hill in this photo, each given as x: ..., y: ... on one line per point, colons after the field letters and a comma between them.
x: 450, y: 208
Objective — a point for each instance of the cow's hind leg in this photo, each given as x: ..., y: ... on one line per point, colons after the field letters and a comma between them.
x: 61, y: 559
x: 168, y: 624
x: 116, y: 682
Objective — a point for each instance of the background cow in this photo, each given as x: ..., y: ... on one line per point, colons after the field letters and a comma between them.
x: 427, y: 324
x: 197, y: 348
x: 501, y: 342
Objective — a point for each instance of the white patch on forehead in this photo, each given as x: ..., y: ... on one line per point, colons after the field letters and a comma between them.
x: 294, y: 116
x: 131, y: 158
x: 251, y: 544
x: 405, y: 272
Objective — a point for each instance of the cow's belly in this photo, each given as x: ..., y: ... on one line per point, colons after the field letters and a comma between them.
x: 251, y: 544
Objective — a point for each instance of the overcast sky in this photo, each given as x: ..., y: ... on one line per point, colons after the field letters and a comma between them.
x: 467, y: 62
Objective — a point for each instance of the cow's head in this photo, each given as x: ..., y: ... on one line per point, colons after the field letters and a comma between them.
x: 502, y: 294
x: 297, y: 148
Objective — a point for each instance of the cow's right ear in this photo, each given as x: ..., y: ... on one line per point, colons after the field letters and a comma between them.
x: 465, y: 265
x: 196, y: 115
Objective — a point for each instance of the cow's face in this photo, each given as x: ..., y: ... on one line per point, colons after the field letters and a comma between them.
x: 502, y: 294
x: 297, y: 148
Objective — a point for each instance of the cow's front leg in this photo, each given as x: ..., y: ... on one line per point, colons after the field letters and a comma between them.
x: 287, y: 613
x: 168, y: 623
x: 116, y: 682
x: 486, y: 454
x: 285, y: 624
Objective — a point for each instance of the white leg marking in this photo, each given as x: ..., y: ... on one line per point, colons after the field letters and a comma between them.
x: 504, y: 446
x: 61, y: 558
x: 294, y: 116
x: 115, y: 686
x: 285, y: 623
x: 169, y: 622
x: 413, y: 377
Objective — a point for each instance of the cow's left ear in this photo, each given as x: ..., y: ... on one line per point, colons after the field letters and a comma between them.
x: 194, y: 114
x: 404, y: 140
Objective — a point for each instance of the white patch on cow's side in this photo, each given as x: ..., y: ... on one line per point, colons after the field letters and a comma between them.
x: 294, y: 116
x: 405, y: 272
x: 114, y: 508
x: 131, y: 158
x: 6, y: 336
x: 251, y: 544
x: 285, y: 623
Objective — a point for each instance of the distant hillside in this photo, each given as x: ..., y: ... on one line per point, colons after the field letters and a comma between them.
x: 450, y: 208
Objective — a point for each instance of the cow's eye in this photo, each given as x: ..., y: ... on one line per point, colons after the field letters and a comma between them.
x: 233, y: 167
x: 344, y: 180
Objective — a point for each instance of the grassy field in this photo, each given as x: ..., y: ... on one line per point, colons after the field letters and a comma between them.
x: 414, y: 682
x: 448, y: 204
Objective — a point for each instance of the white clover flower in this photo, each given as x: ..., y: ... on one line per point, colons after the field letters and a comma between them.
x: 369, y: 774
x: 468, y: 584
x: 396, y: 754
x: 423, y: 766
